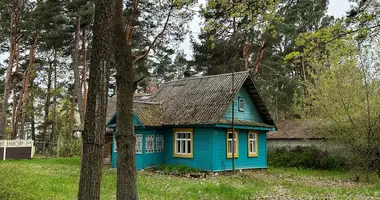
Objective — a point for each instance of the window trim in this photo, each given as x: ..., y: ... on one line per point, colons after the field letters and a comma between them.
x: 241, y: 108
x: 142, y: 144
x: 229, y: 155
x: 146, y: 142
x: 250, y: 154
x: 183, y: 130
x: 159, y: 150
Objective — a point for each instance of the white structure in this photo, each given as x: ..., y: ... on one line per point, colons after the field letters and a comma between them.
x: 16, y: 149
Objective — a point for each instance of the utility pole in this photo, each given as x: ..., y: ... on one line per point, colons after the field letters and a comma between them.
x: 233, y: 124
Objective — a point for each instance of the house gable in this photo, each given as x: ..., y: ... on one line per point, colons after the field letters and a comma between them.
x: 250, y: 112
x: 136, y: 121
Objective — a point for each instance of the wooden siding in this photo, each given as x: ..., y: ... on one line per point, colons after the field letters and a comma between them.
x: 250, y: 112
x: 220, y: 160
x: 209, y: 151
x: 145, y: 160
x: 202, y: 152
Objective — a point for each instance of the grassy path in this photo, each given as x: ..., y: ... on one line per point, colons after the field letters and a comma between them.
x: 58, y: 179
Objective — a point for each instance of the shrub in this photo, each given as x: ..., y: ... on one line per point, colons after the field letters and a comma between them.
x: 304, y: 157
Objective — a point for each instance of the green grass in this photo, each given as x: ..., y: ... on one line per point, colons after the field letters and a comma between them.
x: 57, y: 178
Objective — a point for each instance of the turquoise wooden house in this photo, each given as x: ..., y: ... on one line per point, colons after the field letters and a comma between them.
x: 188, y: 122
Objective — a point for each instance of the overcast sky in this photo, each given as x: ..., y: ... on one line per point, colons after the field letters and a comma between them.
x: 337, y: 8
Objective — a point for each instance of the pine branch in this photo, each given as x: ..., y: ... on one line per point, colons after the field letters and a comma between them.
x: 144, y: 55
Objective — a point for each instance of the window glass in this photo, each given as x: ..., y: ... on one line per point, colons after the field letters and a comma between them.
x: 241, y: 104
x: 183, y: 143
x: 159, y: 143
x: 149, y: 144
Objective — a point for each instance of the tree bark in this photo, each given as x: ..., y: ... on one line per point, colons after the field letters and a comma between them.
x: 32, y: 123
x: 53, y: 135
x: 25, y: 94
x: 16, y: 6
x: 94, y: 126
x: 126, y: 141
x: 46, y: 108
x: 75, y: 65
x: 14, y: 106
x: 260, y: 57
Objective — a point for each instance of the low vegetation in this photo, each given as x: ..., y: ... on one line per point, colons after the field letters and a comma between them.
x: 58, y: 179
x: 175, y: 169
x: 305, y: 157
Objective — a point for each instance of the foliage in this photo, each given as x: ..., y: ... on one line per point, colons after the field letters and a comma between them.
x: 58, y: 179
x: 176, y: 169
x: 342, y: 89
x: 304, y: 157
x: 220, y: 51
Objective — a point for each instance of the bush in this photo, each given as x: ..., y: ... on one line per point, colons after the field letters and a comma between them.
x: 304, y: 157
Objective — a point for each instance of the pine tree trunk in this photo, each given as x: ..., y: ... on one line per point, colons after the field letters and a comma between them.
x: 32, y: 118
x: 54, y: 124
x: 75, y: 65
x: 126, y: 141
x: 94, y: 126
x: 14, y: 106
x: 46, y: 109
x: 16, y: 6
x: 260, y: 57
x: 30, y: 70
x: 4, y: 107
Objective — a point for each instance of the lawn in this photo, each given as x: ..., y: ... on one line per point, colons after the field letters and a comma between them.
x: 57, y: 178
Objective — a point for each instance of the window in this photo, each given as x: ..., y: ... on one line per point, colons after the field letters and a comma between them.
x: 183, y: 142
x: 159, y: 143
x: 149, y: 144
x: 138, y: 143
x: 229, y: 144
x: 241, y: 104
x: 252, y: 144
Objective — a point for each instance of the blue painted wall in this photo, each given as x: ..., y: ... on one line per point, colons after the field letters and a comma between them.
x: 210, y: 151
x: 144, y: 160
x: 220, y: 160
x: 250, y: 111
x: 202, y: 143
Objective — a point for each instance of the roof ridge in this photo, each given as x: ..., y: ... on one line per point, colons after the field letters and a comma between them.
x: 209, y: 76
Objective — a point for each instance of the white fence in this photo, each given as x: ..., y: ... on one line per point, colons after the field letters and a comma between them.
x: 17, y: 143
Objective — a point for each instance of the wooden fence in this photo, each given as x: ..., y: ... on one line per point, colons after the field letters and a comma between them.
x: 16, y: 149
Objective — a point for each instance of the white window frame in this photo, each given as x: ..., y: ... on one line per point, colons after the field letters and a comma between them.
x: 252, y: 149
x: 183, y: 137
x: 159, y: 143
x: 149, y: 144
x: 229, y: 143
x: 139, y: 144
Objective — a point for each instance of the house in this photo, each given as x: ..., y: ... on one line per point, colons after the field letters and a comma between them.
x: 292, y: 133
x: 295, y: 132
x: 188, y: 122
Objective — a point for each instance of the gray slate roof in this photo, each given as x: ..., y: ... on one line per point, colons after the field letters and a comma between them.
x: 196, y: 100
